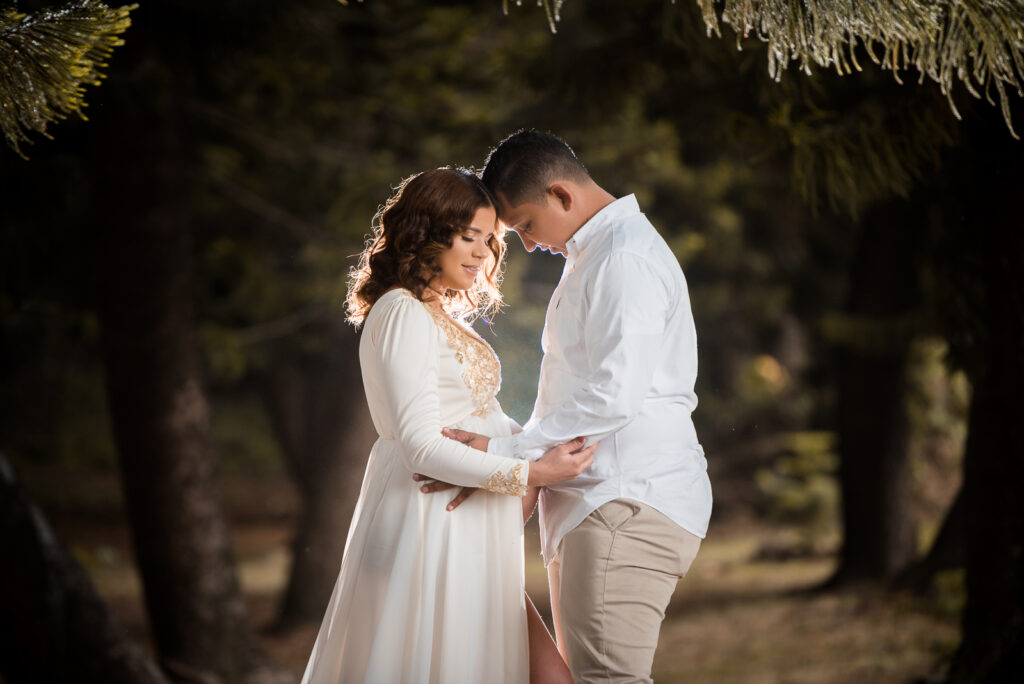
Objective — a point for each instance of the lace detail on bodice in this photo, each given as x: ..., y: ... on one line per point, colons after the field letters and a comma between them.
x: 481, y: 370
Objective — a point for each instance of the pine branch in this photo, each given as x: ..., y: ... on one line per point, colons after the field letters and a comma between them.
x: 980, y: 42
x: 553, y: 9
x: 48, y: 57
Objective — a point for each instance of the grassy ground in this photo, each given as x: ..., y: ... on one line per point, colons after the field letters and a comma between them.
x: 734, y: 619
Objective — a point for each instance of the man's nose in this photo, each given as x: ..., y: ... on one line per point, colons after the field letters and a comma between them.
x: 529, y: 244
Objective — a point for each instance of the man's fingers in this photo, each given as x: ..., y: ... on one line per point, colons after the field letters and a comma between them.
x: 463, y: 495
x: 457, y: 435
x: 435, y: 487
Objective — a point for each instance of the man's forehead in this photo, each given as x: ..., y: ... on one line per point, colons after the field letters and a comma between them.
x: 508, y: 214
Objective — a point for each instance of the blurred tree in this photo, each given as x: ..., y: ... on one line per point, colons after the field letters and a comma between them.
x: 143, y: 146
x: 980, y: 300
x: 48, y: 58
x: 872, y: 341
x: 979, y: 249
x: 55, y: 627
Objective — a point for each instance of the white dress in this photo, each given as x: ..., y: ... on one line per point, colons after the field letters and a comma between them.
x: 425, y: 595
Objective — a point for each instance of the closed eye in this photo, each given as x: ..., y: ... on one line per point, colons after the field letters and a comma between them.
x: 472, y: 238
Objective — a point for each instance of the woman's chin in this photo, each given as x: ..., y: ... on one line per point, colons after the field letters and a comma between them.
x: 463, y: 286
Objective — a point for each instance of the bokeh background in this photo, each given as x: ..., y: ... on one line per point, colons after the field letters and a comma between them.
x: 182, y: 422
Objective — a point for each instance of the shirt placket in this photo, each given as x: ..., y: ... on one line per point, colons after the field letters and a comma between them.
x: 553, y: 305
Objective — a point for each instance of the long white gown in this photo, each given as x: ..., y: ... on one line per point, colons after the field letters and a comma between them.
x: 424, y: 594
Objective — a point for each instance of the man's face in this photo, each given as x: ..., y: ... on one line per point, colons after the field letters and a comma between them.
x: 545, y: 226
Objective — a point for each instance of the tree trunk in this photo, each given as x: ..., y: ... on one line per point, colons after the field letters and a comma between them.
x: 946, y: 552
x: 54, y: 627
x: 874, y: 473
x: 151, y: 352
x: 321, y: 420
x: 993, y: 623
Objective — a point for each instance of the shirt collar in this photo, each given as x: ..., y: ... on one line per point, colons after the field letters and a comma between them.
x: 589, y: 230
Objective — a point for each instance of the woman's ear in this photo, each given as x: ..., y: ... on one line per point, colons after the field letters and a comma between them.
x: 562, y: 195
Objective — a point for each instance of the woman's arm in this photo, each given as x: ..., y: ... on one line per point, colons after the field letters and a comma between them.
x: 406, y: 344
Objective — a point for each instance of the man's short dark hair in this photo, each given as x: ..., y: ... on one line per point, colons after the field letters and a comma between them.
x: 525, y: 163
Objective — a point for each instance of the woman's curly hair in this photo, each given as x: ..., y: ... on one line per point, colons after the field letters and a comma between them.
x: 412, y: 229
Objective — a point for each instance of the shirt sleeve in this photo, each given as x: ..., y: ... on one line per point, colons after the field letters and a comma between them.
x: 624, y: 320
x: 513, y: 426
x: 406, y: 343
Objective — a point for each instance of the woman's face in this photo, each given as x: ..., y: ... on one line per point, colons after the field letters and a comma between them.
x: 462, y: 262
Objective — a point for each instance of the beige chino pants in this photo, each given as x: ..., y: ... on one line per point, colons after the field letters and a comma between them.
x: 610, y: 583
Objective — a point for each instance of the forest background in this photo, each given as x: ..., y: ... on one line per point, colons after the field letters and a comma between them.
x: 182, y: 425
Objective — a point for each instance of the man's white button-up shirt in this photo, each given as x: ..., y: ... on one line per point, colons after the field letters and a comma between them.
x: 620, y: 362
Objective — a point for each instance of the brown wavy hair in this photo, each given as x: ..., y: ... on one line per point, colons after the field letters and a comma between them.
x: 417, y: 224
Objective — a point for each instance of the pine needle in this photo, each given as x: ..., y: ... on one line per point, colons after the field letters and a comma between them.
x: 48, y: 57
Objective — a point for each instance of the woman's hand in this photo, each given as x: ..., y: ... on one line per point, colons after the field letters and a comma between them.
x: 561, y: 463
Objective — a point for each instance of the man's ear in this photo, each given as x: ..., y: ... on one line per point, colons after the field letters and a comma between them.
x: 561, y: 194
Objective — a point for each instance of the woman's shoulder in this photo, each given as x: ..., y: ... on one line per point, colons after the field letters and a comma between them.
x: 397, y: 307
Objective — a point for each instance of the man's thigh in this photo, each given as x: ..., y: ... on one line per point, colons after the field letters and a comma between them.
x: 617, y: 571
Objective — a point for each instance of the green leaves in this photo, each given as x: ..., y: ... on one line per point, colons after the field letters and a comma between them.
x: 48, y: 57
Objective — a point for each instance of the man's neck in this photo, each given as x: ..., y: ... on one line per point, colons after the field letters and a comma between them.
x: 593, y: 198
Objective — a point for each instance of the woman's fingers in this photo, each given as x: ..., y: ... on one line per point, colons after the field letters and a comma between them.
x: 572, y: 447
x: 586, y: 456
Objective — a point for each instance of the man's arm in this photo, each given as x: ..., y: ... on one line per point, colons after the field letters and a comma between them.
x: 623, y: 327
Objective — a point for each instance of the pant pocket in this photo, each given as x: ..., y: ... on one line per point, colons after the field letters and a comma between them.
x: 616, y: 513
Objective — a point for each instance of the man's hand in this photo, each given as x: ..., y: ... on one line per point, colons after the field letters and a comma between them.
x: 438, y: 486
x: 470, y: 439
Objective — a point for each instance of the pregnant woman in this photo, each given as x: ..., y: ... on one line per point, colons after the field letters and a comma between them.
x: 426, y: 594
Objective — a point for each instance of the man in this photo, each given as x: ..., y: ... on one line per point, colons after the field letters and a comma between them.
x: 620, y: 361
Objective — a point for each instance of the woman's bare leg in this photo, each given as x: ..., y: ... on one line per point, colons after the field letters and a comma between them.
x: 530, y: 502
x: 546, y: 664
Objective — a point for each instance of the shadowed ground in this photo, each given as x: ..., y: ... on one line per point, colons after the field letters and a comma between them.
x: 742, y: 616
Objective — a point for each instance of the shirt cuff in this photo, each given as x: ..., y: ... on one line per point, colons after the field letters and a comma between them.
x: 509, y: 447
x: 534, y: 453
x: 531, y: 443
